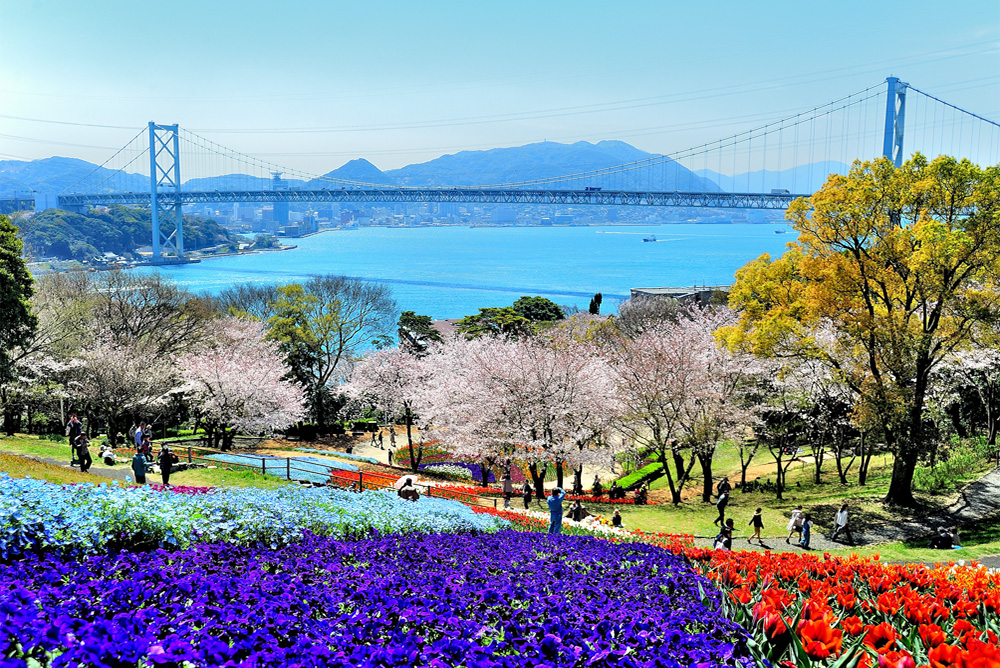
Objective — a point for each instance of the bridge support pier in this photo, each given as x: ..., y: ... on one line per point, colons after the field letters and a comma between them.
x: 895, y: 113
x: 165, y: 190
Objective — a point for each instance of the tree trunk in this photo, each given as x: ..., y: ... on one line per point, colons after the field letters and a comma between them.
x: 415, y: 457
x: 706, y: 476
x: 779, y: 475
x: 8, y: 419
x: 538, y: 480
x: 675, y: 494
x: 484, y: 474
x: 559, y: 475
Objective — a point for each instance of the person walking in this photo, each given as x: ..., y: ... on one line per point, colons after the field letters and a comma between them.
x: 555, y: 502
x: 139, y: 468
x: 757, y: 522
x: 166, y: 460
x: 526, y: 494
x: 389, y: 456
x: 83, y: 454
x: 840, y: 525
x: 795, y: 523
x: 597, y: 489
x: 724, y: 487
x: 381, y: 440
x: 807, y: 524
x: 720, y: 505
x: 140, y: 434
x: 73, y: 430
x: 508, y: 490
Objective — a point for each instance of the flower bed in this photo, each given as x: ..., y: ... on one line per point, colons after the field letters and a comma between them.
x: 36, y: 516
x: 505, y: 599
x: 814, y: 610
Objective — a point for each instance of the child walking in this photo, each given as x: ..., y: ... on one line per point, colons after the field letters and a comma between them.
x: 807, y: 525
x: 757, y: 522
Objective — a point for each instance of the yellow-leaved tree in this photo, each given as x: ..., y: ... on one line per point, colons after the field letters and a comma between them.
x: 899, y: 264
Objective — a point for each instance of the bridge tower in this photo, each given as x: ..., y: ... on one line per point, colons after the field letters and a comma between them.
x: 895, y: 112
x: 165, y: 188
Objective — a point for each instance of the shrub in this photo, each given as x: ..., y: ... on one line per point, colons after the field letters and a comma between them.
x: 637, y: 476
x: 957, y: 464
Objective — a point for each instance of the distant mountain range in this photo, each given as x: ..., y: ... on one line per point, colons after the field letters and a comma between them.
x: 467, y: 168
x: 801, y: 180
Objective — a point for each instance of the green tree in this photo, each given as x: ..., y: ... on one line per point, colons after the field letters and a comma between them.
x: 416, y: 332
x: 325, y: 322
x: 899, y: 265
x: 503, y: 321
x: 595, y: 304
x: 17, y: 322
x: 538, y: 309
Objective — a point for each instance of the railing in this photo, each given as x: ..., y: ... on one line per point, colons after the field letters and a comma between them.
x: 285, y: 467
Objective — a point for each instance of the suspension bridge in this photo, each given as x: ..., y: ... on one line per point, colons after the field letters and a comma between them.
x: 759, y: 168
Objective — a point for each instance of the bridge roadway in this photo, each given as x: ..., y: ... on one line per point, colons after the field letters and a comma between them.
x: 470, y: 195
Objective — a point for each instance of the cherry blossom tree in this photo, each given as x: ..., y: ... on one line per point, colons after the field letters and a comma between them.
x: 114, y: 380
x: 394, y: 380
x: 679, y: 390
x: 527, y: 400
x: 238, y: 383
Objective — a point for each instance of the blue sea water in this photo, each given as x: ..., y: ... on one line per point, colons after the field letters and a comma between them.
x: 449, y: 272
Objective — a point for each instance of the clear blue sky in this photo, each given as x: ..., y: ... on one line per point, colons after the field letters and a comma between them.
x: 401, y: 82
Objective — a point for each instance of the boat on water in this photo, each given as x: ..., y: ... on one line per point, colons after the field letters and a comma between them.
x: 781, y: 230
x: 651, y: 237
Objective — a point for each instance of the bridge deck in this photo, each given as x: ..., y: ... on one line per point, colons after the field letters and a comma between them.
x: 458, y: 195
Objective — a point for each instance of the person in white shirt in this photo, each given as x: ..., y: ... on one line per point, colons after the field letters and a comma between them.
x: 840, y: 525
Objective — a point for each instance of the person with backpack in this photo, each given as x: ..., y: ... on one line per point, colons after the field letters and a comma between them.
x: 757, y: 522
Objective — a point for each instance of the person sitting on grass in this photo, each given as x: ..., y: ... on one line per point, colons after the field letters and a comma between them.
x: 576, y: 511
x: 616, y: 518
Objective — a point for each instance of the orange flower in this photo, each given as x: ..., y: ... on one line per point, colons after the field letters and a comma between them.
x: 888, y: 603
x: 774, y: 625
x: 945, y: 656
x: 981, y: 655
x: 896, y: 660
x: 853, y: 625
x: 962, y: 627
x: 881, y: 638
x: 819, y: 640
x: 741, y: 595
x: 932, y: 635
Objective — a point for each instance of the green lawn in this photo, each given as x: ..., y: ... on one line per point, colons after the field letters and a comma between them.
x: 20, y: 467
x: 219, y: 477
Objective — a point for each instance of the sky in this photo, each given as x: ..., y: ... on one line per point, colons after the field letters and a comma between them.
x: 313, y: 84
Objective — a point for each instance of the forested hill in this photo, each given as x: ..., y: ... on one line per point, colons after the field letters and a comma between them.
x: 118, y: 229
